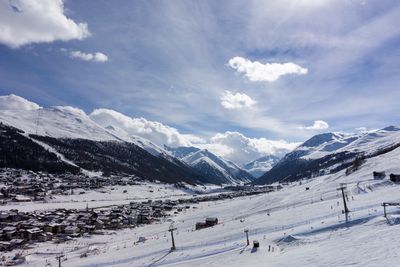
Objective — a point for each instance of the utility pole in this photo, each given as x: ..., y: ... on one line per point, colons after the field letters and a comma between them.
x: 59, y: 259
x: 342, y: 188
x: 172, y: 229
x: 247, y: 236
x: 37, y: 121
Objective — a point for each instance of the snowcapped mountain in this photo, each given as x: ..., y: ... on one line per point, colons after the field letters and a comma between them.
x: 331, y: 152
x: 216, y: 169
x: 58, y: 122
x: 68, y: 128
x: 261, y: 165
x: 66, y: 122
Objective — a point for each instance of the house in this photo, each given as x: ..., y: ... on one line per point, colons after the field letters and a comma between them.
x: 143, y: 217
x: 395, y: 178
x: 211, y: 221
x: 32, y: 234
x: 379, y: 175
x: 4, y: 216
x: 54, y: 228
x: 21, y: 198
x: 201, y: 225
x: 14, y: 243
x: 10, y: 232
x: 71, y: 230
x: 43, y: 237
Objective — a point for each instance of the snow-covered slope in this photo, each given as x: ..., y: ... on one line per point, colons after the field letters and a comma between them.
x: 331, y: 152
x: 261, y: 165
x: 370, y: 142
x: 58, y: 122
x: 300, y: 225
x: 217, y: 169
x: 65, y: 122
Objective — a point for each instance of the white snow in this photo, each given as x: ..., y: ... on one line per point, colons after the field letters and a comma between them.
x: 304, y: 227
x: 66, y: 122
x: 369, y: 142
x: 230, y: 170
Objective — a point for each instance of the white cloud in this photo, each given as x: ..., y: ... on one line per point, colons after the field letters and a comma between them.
x: 269, y: 72
x: 230, y: 145
x: 318, y: 125
x: 37, y: 21
x: 97, y: 57
x: 156, y: 132
x: 241, y: 149
x: 236, y: 101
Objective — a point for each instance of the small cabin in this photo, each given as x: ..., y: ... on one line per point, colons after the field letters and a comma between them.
x: 211, y: 221
x: 379, y: 175
x: 395, y: 178
x: 201, y: 225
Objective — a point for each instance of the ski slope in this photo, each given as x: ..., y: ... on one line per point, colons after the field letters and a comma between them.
x: 304, y: 228
x: 370, y: 142
x: 66, y: 122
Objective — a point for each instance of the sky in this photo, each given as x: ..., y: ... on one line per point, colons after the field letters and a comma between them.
x: 248, y: 76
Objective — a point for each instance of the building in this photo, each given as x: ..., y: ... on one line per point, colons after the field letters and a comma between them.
x: 379, y: 175
x: 395, y: 178
x: 209, y: 222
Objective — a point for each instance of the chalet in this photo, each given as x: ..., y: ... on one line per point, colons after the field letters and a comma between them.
x: 14, y: 243
x: 143, y: 217
x: 43, y: 237
x: 395, y: 178
x: 379, y: 175
x: 22, y: 198
x: 4, y: 216
x: 99, y: 224
x: 54, y: 228
x: 201, y: 225
x: 211, y: 221
x: 32, y: 234
x: 71, y: 230
x: 90, y: 228
x: 115, y: 224
x: 10, y: 232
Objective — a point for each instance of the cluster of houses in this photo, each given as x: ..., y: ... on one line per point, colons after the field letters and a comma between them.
x: 20, y: 228
x: 243, y: 191
x: 24, y: 186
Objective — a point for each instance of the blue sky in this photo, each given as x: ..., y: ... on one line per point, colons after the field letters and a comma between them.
x: 168, y: 61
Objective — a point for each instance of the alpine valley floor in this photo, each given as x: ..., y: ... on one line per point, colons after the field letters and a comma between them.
x: 304, y: 228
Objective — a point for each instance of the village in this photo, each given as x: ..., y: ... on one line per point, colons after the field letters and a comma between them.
x: 24, y: 186
x: 20, y: 229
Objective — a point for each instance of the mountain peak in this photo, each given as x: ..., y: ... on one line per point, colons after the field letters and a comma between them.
x: 14, y: 102
x: 319, y: 139
x: 391, y: 128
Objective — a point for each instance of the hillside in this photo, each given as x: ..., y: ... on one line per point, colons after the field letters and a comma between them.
x: 216, y: 169
x: 331, y: 152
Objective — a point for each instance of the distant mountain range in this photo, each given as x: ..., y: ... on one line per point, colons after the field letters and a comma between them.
x: 58, y: 139
x: 331, y: 152
x: 91, y: 143
x: 218, y: 170
x: 261, y: 165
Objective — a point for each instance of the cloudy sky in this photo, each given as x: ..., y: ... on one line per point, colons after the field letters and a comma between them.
x: 254, y: 76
